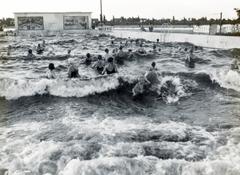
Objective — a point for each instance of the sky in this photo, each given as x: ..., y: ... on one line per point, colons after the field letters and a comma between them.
x: 128, y: 8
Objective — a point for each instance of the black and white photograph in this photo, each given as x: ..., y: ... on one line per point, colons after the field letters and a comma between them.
x: 120, y: 87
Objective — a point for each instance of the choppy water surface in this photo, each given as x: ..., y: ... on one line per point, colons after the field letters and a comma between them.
x: 73, y: 127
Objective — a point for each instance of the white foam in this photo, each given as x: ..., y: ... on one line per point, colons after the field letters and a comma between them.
x: 179, y: 89
x: 227, y: 79
x: 14, y: 89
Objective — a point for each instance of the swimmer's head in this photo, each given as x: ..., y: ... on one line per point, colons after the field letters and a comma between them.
x: 121, y: 47
x: 69, y: 51
x: 129, y: 50
x: 88, y: 55
x: 110, y: 59
x: 154, y: 46
x: 153, y: 64
x: 51, y: 66
x: 39, y: 45
x: 157, y: 40
x: 106, y: 50
x: 30, y: 51
x: 99, y: 57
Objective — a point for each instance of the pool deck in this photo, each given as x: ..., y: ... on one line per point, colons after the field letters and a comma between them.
x: 212, y: 41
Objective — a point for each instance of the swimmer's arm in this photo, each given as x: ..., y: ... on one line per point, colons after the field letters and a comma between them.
x: 116, y: 69
x: 69, y: 72
x: 104, y: 70
x: 94, y: 65
x: 145, y: 78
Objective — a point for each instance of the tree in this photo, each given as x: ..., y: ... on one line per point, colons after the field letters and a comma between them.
x: 238, y: 12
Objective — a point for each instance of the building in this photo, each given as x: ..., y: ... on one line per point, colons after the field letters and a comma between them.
x: 52, y: 21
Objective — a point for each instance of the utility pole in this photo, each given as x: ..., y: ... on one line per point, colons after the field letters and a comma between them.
x: 221, y: 23
x: 101, y: 15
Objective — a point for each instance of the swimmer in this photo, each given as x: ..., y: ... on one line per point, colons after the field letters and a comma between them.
x: 72, y: 70
x: 30, y: 54
x: 88, y: 59
x: 120, y: 56
x: 39, y: 49
x: 107, y: 55
x: 120, y: 52
x: 154, y: 49
x: 9, y: 50
x: 151, y: 77
x: 110, y: 68
x: 234, y: 65
x: 189, y: 60
x: 43, y: 43
x: 141, y: 50
x: 130, y: 54
x: 157, y: 40
x: 69, y: 52
x: 51, y: 72
x: 139, y: 87
x: 167, y: 89
x: 99, y: 65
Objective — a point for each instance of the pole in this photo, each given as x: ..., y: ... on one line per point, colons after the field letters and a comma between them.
x: 101, y: 16
x: 220, y: 23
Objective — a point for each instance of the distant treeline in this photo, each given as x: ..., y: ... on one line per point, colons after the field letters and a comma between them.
x: 6, y: 22
x: 173, y: 21
x: 185, y: 21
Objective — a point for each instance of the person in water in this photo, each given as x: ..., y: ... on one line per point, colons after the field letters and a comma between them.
x: 43, y: 43
x: 107, y: 55
x: 190, y: 60
x: 69, y: 52
x: 110, y: 67
x: 30, y: 54
x: 234, y: 65
x: 72, y: 70
x: 120, y: 56
x: 151, y: 77
x: 40, y: 49
x: 9, y: 50
x: 99, y: 65
x: 139, y: 87
x: 88, y: 59
x: 51, y: 71
x: 141, y: 50
x: 154, y: 50
x: 130, y: 55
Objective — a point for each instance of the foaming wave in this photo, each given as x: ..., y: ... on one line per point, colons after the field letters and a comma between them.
x: 227, y: 79
x: 14, y: 89
x: 175, y: 89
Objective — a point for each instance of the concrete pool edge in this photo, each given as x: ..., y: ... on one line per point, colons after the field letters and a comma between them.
x: 211, y: 41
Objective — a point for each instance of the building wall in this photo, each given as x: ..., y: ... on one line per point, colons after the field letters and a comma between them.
x: 52, y: 21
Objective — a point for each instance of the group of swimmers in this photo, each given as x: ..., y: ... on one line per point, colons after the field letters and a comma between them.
x: 107, y: 64
x: 103, y: 65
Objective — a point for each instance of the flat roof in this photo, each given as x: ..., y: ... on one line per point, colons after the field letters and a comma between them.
x: 51, y: 12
